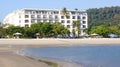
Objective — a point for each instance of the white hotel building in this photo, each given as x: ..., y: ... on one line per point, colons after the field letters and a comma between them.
x: 26, y: 17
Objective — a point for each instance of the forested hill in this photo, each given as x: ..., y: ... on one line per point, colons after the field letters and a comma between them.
x: 104, y: 16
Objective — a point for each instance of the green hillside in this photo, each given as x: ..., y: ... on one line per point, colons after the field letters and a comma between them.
x: 108, y: 16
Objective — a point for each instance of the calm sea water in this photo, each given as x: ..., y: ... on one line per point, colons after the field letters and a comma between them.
x: 90, y: 56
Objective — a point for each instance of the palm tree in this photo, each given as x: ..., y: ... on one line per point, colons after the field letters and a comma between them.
x: 73, y: 32
x: 77, y: 25
x: 76, y: 9
x: 65, y: 12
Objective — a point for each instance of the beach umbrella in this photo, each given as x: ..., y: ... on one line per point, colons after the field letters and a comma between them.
x: 17, y: 33
x: 94, y: 34
x: 37, y: 34
x: 85, y: 34
x: 113, y: 35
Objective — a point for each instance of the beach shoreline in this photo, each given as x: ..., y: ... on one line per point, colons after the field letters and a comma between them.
x: 9, y: 56
x: 57, y: 62
x: 59, y: 42
x: 9, y: 46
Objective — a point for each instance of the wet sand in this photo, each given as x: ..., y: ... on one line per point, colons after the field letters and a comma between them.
x: 62, y: 63
x: 8, y: 58
x: 12, y: 60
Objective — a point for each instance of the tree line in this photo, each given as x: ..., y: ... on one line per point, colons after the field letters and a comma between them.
x: 45, y: 29
x: 104, y: 30
x: 108, y: 16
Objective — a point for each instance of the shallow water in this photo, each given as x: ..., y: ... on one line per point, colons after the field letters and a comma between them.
x: 89, y: 56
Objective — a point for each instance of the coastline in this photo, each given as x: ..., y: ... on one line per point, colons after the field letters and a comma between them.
x: 59, y: 42
x: 9, y: 58
x: 9, y: 50
x: 56, y: 62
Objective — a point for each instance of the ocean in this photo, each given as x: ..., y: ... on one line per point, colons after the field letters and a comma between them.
x: 89, y: 56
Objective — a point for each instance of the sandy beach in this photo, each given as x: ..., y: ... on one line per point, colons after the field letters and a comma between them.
x: 9, y: 58
x: 60, y: 42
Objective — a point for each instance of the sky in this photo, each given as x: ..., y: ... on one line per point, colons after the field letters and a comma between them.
x: 8, y: 6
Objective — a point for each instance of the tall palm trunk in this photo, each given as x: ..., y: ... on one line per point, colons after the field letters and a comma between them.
x: 76, y: 24
x: 65, y: 12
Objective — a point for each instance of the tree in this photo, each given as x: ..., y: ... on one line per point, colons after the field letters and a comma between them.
x: 59, y: 29
x: 37, y: 28
x: 29, y: 32
x: 87, y: 31
x: 2, y: 32
x: 77, y: 25
x: 65, y: 31
x: 65, y: 12
x: 76, y: 9
x: 114, y: 30
x: 73, y: 31
x: 13, y: 29
x: 47, y: 29
x: 101, y: 30
x: 104, y: 16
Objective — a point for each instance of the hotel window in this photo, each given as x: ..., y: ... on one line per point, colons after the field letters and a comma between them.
x: 84, y: 22
x: 38, y: 20
x: 26, y: 21
x: 73, y: 26
x: 50, y: 16
x: 26, y: 16
x: 33, y: 12
x: 68, y: 26
x: 32, y: 16
x: 19, y: 16
x: 84, y: 26
x: 38, y: 16
x: 62, y: 21
x: 51, y: 12
x: 44, y: 16
x: 84, y: 17
x: 62, y: 17
x: 78, y: 13
x: 33, y: 21
x: 37, y: 12
x: 50, y: 20
x: 56, y: 21
x: 30, y: 12
x: 56, y: 17
x: 44, y: 12
x: 56, y: 12
x: 68, y: 21
x: 73, y: 17
x: 19, y: 21
x: 44, y: 20
x: 78, y: 17
x: 26, y: 25
x: 73, y: 13
x: 26, y: 12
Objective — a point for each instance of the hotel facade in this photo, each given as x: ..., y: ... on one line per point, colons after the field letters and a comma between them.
x: 26, y: 17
